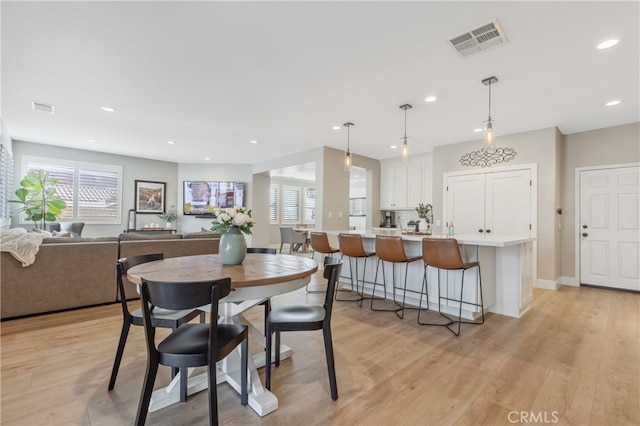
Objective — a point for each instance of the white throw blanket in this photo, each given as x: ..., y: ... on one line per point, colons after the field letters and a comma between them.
x: 23, y: 247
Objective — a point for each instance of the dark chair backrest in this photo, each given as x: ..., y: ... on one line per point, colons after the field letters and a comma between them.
x: 320, y: 242
x: 122, y: 268
x: 351, y: 245
x: 332, y: 267
x: 265, y: 250
x: 442, y: 253
x: 185, y: 295
x: 390, y: 248
x: 178, y: 296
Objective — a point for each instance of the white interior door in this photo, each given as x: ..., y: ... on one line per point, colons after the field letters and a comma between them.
x: 610, y: 227
x: 508, y: 203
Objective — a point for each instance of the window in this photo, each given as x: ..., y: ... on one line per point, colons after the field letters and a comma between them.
x: 357, y: 206
x: 309, y: 205
x: 93, y: 192
x: 273, y: 203
x: 290, y: 204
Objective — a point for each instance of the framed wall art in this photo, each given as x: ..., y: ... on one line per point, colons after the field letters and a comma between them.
x: 150, y: 196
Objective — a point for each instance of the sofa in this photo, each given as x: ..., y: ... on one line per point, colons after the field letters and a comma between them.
x: 79, y: 272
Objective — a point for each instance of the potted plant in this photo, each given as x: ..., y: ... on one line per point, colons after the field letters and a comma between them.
x: 169, y: 217
x: 38, y: 198
x: 231, y: 223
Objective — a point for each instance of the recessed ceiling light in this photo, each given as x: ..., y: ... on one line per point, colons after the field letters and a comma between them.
x: 171, y: 142
x: 607, y: 44
x: 91, y: 140
x: 207, y: 159
x: 253, y: 141
x: 394, y: 147
x: 613, y: 103
x: 336, y: 127
x: 431, y: 98
x: 477, y: 130
x: 108, y: 109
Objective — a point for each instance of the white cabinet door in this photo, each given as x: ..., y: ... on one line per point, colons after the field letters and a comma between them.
x: 415, y: 179
x: 508, y: 202
x: 399, y: 186
x: 493, y: 202
x: 386, y: 188
x: 610, y: 227
x: 465, y: 203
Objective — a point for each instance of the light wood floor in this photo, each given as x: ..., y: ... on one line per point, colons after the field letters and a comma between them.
x: 574, y: 358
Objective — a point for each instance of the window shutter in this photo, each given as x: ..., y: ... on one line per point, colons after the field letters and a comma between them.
x: 290, y: 204
x: 273, y: 203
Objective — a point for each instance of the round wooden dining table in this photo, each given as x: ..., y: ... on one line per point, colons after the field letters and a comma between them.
x: 256, y: 279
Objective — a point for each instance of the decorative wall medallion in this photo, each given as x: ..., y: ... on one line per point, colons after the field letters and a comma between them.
x: 486, y: 157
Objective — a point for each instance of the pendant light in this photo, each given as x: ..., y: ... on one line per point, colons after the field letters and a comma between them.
x: 488, y: 130
x: 405, y: 147
x: 347, y: 155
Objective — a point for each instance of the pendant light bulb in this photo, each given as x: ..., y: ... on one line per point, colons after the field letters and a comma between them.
x: 489, y: 135
x: 405, y: 145
x: 348, y: 160
x: 405, y: 150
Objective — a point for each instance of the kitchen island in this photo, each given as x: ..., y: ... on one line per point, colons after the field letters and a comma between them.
x: 506, y: 267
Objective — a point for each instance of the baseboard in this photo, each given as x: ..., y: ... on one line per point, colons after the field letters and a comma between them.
x: 545, y: 284
x: 569, y: 281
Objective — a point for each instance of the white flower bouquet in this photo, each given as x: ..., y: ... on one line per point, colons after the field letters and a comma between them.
x: 226, y: 218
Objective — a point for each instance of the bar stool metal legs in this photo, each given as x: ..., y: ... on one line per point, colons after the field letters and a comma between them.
x: 384, y: 286
x: 445, y: 255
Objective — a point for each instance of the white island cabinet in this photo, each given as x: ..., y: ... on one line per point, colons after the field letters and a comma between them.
x: 506, y: 268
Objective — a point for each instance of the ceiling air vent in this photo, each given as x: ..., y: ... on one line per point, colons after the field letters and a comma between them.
x: 483, y: 38
x: 39, y: 106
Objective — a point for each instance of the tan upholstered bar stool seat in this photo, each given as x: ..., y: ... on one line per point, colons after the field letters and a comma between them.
x: 391, y: 249
x: 445, y: 254
x: 320, y: 244
x: 352, y: 247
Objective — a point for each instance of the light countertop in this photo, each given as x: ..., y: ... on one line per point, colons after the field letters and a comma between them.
x: 468, y: 239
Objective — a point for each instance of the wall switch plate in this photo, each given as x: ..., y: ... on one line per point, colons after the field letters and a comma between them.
x: 438, y: 222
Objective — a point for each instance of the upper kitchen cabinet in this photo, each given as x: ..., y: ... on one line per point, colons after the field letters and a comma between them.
x: 497, y: 202
x: 404, y: 185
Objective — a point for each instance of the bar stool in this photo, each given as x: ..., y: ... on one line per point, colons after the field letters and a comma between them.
x: 391, y: 249
x: 352, y: 247
x: 320, y: 244
x: 445, y: 254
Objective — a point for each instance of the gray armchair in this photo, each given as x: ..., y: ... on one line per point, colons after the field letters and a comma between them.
x: 293, y: 238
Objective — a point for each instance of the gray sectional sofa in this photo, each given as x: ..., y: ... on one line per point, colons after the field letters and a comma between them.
x: 79, y: 272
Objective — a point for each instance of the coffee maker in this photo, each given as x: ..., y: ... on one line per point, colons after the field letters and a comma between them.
x: 389, y: 219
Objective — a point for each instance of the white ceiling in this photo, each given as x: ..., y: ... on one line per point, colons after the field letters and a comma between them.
x: 212, y: 76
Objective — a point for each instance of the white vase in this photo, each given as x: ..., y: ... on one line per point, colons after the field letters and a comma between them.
x: 168, y: 225
x: 423, y: 225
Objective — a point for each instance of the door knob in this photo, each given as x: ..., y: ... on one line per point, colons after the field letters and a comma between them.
x: 480, y: 230
x: 488, y: 231
x: 584, y: 226
x: 584, y: 234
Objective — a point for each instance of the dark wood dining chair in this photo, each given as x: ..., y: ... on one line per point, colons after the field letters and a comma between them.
x: 160, y: 317
x: 190, y: 345
x: 266, y: 303
x: 306, y: 318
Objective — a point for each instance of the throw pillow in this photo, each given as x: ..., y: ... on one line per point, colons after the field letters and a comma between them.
x: 17, y: 231
x: 58, y: 234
